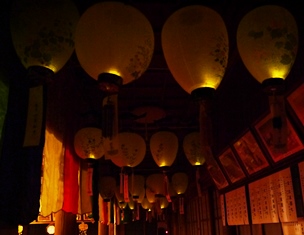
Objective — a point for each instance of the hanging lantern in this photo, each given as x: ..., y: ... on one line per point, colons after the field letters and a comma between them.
x: 156, y: 184
x: 136, y: 185
x: 180, y: 182
x: 145, y: 204
x: 195, y: 45
x: 192, y: 150
x: 106, y: 187
x: 88, y: 143
x: 43, y: 32
x: 163, y: 202
x: 267, y: 40
x: 131, y: 151
x: 164, y: 147
x: 119, y: 196
x: 115, y: 49
x: 150, y: 195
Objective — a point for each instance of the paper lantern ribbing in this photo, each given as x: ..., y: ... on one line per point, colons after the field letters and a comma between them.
x: 113, y: 38
x: 131, y: 151
x: 106, y: 187
x: 180, y: 182
x: 164, y: 147
x: 192, y: 149
x: 195, y: 45
x: 43, y: 32
x: 267, y: 40
x: 88, y: 143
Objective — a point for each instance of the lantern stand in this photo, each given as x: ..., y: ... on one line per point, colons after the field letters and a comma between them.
x: 274, y: 88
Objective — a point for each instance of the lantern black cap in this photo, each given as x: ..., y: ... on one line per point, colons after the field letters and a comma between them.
x: 204, y: 93
x: 273, y: 85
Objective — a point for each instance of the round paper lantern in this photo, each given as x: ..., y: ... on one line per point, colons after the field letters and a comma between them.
x: 119, y: 196
x: 192, y: 149
x: 88, y: 143
x: 195, y: 45
x: 180, y: 182
x: 114, y: 42
x: 164, y: 147
x: 163, y: 202
x: 145, y: 204
x: 150, y: 195
x: 106, y: 187
x: 43, y: 32
x: 136, y: 185
x: 50, y: 229
x: 131, y: 204
x: 156, y: 184
x: 267, y: 40
x: 131, y: 151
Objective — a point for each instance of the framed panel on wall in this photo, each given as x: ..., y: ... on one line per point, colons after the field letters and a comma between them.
x: 216, y: 174
x: 250, y: 153
x: 296, y: 101
x: 264, y: 131
x: 231, y: 166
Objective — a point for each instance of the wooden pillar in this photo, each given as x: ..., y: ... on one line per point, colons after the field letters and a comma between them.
x: 65, y: 223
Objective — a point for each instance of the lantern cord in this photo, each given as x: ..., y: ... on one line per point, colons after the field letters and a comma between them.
x: 108, y: 112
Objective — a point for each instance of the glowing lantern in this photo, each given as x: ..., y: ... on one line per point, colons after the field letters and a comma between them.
x: 180, y: 182
x: 114, y: 40
x: 119, y: 196
x: 114, y: 45
x: 195, y: 46
x: 43, y: 32
x: 156, y: 184
x: 150, y: 195
x: 267, y: 40
x: 83, y: 227
x: 136, y: 185
x: 192, y: 150
x: 164, y: 147
x: 163, y: 202
x: 88, y: 143
x: 50, y: 229
x: 106, y: 187
x: 145, y: 204
x: 131, y: 151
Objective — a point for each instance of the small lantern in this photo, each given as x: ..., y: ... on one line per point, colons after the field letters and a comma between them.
x: 156, y: 184
x: 88, y: 143
x: 267, y: 40
x: 106, y: 187
x: 195, y: 45
x: 180, y: 182
x: 192, y: 149
x: 131, y: 151
x: 50, y: 229
x: 164, y: 147
x: 136, y: 185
